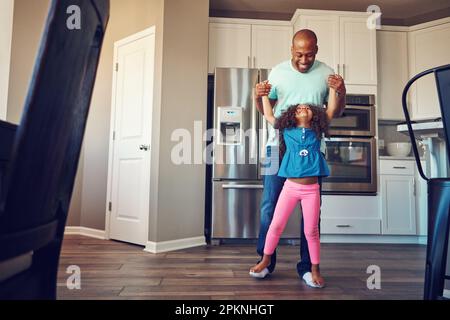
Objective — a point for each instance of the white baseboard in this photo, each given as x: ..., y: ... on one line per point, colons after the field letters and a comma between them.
x: 87, y: 232
x: 336, y: 238
x: 165, y: 246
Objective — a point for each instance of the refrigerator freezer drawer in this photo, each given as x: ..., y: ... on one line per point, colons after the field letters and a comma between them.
x: 236, y: 211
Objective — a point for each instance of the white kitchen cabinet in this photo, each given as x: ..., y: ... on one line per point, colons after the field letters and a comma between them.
x: 347, y: 214
x: 398, y: 197
x: 271, y: 45
x: 392, y: 47
x: 248, y: 44
x: 345, y: 43
x: 428, y: 47
x: 327, y: 31
x: 358, y: 51
x: 229, y: 45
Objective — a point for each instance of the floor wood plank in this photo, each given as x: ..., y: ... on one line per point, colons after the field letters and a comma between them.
x: 116, y: 270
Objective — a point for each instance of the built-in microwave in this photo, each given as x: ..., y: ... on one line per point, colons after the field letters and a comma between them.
x: 358, y: 118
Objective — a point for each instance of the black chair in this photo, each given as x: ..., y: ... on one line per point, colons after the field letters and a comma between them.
x: 438, y: 192
x: 40, y: 158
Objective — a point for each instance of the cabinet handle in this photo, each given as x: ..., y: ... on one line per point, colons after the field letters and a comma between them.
x: 343, y: 226
x: 399, y: 167
x: 242, y: 186
x: 254, y: 62
x: 343, y: 70
x: 338, y: 69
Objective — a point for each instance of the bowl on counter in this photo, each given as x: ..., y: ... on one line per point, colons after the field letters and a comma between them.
x: 399, y: 149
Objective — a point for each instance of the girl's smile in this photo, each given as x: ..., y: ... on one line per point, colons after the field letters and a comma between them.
x: 304, y: 114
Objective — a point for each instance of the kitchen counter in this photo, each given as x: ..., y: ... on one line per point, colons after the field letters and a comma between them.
x: 396, y: 158
x: 431, y: 125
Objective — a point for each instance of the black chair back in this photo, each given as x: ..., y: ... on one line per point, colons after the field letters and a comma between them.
x: 438, y: 191
x: 41, y: 171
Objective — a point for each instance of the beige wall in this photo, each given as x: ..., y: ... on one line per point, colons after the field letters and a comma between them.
x: 6, y: 26
x: 126, y: 18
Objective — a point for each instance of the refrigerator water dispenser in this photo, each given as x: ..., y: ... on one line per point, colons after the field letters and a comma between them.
x: 230, y: 124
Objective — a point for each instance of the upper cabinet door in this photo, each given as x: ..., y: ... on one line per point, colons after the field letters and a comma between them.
x: 358, y: 51
x: 428, y: 48
x: 271, y: 45
x: 326, y: 28
x: 392, y: 73
x: 229, y: 46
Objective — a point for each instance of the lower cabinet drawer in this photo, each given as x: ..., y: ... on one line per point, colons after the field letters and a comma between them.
x: 350, y: 226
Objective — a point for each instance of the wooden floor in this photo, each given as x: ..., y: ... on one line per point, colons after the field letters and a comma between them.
x: 114, y: 270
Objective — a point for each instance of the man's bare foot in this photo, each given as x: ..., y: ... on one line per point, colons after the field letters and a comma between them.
x: 262, y: 265
x: 316, y: 277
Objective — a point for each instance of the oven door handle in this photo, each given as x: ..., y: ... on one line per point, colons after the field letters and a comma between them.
x: 242, y: 186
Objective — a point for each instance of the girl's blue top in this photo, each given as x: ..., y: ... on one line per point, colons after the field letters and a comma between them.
x: 302, y: 157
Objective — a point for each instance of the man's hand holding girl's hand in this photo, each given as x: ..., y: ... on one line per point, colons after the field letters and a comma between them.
x: 263, y: 89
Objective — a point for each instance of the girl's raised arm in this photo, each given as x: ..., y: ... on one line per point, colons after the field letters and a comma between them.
x: 333, y: 104
x: 268, y: 110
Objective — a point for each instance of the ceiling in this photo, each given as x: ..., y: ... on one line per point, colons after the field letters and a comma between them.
x: 394, y: 12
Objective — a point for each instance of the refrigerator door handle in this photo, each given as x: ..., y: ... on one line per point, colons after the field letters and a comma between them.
x: 242, y: 186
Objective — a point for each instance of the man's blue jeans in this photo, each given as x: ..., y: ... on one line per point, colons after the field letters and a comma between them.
x: 273, y: 184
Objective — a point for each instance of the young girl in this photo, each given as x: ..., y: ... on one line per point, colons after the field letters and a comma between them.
x: 301, y: 130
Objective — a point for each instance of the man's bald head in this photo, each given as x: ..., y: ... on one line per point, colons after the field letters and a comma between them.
x: 305, y: 35
x: 304, y: 50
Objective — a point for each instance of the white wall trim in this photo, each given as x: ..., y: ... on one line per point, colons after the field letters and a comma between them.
x: 384, y: 239
x: 429, y: 24
x: 6, y: 30
x: 310, y: 12
x: 87, y: 232
x: 172, y: 245
x: 394, y: 28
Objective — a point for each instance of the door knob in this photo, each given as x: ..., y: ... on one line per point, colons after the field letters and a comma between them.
x: 144, y: 147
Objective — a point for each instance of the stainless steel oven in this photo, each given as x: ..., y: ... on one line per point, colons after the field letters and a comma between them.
x: 358, y: 119
x: 352, y: 163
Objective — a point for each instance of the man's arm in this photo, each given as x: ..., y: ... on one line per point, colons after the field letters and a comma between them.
x: 337, y: 98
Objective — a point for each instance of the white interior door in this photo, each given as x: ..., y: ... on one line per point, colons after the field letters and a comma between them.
x: 131, y: 136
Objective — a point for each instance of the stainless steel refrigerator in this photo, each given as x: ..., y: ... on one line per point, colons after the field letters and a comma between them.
x: 239, y: 143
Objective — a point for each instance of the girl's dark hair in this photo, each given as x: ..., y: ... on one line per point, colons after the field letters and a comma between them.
x: 319, y: 123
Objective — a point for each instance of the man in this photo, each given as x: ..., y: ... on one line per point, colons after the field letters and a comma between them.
x: 301, y: 80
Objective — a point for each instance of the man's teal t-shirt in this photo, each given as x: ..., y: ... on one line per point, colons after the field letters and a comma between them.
x: 291, y: 87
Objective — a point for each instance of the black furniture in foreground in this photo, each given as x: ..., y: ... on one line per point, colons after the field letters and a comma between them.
x: 40, y: 158
x: 438, y: 191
